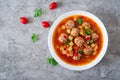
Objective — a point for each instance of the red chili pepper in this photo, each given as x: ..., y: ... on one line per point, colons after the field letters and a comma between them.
x: 66, y: 47
x: 53, y: 5
x: 87, y: 38
x: 76, y: 54
x: 23, y: 20
x: 65, y: 37
x: 75, y: 47
x: 45, y: 24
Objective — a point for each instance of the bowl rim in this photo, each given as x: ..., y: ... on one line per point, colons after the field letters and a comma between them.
x: 97, y: 59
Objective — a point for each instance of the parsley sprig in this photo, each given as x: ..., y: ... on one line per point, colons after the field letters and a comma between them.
x: 34, y: 37
x: 51, y: 61
x: 38, y: 12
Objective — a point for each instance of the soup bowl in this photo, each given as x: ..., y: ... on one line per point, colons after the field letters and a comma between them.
x: 103, y: 49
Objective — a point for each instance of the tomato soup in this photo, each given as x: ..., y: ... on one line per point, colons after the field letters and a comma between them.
x: 77, y: 40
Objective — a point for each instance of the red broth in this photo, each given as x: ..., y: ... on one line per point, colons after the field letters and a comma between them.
x: 84, y: 59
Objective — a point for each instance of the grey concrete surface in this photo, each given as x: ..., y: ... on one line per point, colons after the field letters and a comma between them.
x: 20, y: 59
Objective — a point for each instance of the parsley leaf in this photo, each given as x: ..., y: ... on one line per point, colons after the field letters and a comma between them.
x: 80, y: 51
x: 34, y: 37
x: 38, y: 12
x: 52, y: 61
x: 67, y: 42
x: 87, y: 31
x: 79, y: 21
x: 91, y: 41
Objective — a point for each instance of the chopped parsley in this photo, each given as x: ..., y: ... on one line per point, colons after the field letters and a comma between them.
x: 87, y: 31
x: 91, y: 41
x: 80, y: 51
x: 67, y: 42
x: 79, y: 21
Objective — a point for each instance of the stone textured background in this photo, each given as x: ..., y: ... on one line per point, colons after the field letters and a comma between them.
x: 20, y: 59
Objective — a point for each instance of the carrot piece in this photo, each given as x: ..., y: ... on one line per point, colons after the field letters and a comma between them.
x: 75, y: 47
x: 75, y: 54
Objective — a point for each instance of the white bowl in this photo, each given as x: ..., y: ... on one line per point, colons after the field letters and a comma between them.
x: 102, y: 52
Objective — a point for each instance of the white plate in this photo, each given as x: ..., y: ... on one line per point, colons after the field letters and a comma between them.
x: 102, y: 52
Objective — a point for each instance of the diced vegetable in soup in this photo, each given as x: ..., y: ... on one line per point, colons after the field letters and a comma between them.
x: 79, y: 39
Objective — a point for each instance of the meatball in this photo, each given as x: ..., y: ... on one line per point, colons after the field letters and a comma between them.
x: 63, y: 37
x: 70, y: 24
x: 86, y: 24
x: 76, y: 57
x: 95, y: 36
x: 75, y: 32
x: 79, y: 41
x: 88, y: 50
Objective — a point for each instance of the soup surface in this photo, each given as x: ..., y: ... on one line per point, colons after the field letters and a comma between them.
x: 77, y: 40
